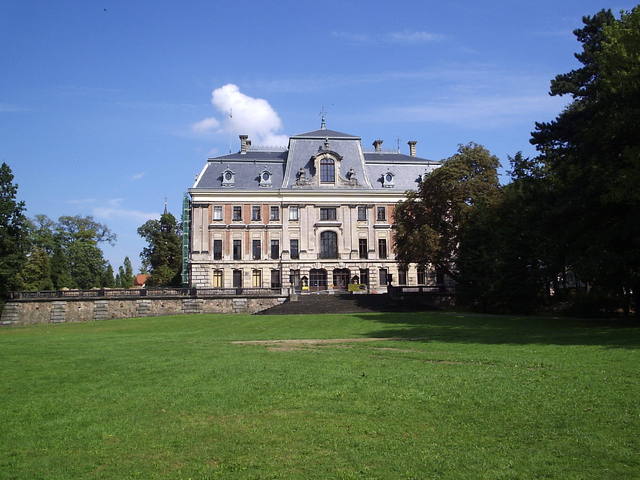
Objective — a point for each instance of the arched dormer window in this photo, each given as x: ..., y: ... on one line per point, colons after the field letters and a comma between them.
x: 387, y: 179
x: 327, y: 170
x: 228, y: 178
x: 265, y: 178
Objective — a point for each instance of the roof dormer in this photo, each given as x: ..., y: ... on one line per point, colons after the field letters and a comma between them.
x: 228, y: 178
x: 388, y: 179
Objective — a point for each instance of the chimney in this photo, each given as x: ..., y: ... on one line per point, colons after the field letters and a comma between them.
x: 377, y: 144
x: 412, y: 147
x: 244, y: 143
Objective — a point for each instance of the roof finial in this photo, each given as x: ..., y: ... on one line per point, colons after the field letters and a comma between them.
x: 323, y: 119
x: 165, y: 205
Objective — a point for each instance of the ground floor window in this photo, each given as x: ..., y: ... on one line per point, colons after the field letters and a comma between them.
x: 237, y: 279
x: 256, y: 278
x: 402, y: 276
x: 422, y: 275
x: 364, y: 276
x: 218, y: 281
x: 294, y: 278
x: 275, y: 279
x: 383, y: 276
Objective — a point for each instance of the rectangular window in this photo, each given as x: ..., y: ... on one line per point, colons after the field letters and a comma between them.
x: 217, y: 279
x: 382, y: 214
x: 294, y: 213
x: 256, y: 278
x: 382, y: 273
x: 237, y: 249
x: 217, y: 249
x: 256, y: 248
x: 237, y: 213
x: 362, y: 213
x: 422, y: 276
x: 275, y: 249
x: 274, y: 213
x: 327, y: 214
x: 364, y: 276
x: 382, y: 248
x: 237, y: 279
x: 294, y: 278
x: 294, y: 249
x: 217, y: 212
x: 402, y: 276
x: 363, y: 248
x: 255, y: 213
x: 275, y: 279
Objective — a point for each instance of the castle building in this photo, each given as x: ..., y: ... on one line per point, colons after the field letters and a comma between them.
x: 316, y: 215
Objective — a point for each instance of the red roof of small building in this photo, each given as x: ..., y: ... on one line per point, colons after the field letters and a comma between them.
x: 140, y: 279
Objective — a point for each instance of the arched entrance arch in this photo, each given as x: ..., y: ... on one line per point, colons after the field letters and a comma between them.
x: 317, y: 279
x: 341, y: 277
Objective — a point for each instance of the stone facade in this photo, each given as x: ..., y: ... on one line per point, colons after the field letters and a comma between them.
x: 317, y: 214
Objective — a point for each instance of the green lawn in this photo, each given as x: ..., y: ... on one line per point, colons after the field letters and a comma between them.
x: 457, y: 396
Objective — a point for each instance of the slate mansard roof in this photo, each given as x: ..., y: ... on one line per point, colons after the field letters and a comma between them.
x: 285, y: 165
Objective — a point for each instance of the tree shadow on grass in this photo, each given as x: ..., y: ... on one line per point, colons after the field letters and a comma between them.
x: 504, y: 329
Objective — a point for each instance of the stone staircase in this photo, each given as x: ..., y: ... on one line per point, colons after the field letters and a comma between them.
x: 10, y: 314
x: 338, y: 303
x: 58, y: 312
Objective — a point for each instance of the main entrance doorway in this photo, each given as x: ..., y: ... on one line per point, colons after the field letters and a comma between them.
x: 317, y: 279
x: 341, y: 277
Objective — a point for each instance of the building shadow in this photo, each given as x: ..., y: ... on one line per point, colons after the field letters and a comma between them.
x: 503, y: 329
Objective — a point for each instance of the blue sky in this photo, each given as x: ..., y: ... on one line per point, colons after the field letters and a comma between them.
x: 106, y: 107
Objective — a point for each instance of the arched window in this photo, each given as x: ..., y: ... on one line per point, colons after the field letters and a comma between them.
x: 329, y: 245
x: 327, y: 170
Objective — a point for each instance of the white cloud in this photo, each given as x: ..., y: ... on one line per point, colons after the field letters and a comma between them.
x: 137, y: 176
x: 407, y: 37
x: 206, y: 125
x: 245, y: 114
x: 114, y: 212
x: 413, y: 37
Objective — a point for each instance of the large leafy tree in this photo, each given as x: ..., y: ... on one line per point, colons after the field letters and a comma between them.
x: 592, y: 153
x: 429, y: 223
x: 14, y: 241
x: 36, y: 272
x: 506, y: 261
x: 162, y: 256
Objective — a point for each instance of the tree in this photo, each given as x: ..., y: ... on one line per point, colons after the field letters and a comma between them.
x: 36, y: 272
x: 429, y: 223
x: 592, y: 155
x: 506, y: 261
x: 126, y: 274
x: 163, y: 254
x: 107, y: 277
x: 14, y: 242
x: 60, y: 275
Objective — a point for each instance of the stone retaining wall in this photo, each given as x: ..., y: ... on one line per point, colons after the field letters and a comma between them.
x: 29, y: 312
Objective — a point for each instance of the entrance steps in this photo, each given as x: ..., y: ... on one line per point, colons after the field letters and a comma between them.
x: 337, y: 303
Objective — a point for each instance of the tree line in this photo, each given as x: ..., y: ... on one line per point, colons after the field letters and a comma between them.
x: 42, y: 254
x: 563, y: 234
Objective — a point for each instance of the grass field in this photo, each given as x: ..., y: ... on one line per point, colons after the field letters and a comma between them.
x: 449, y: 396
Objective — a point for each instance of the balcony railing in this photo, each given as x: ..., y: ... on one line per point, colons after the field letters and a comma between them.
x: 159, y: 292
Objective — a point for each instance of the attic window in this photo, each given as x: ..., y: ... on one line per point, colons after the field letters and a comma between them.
x: 228, y: 178
x: 327, y: 170
x: 265, y: 178
x: 387, y: 180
